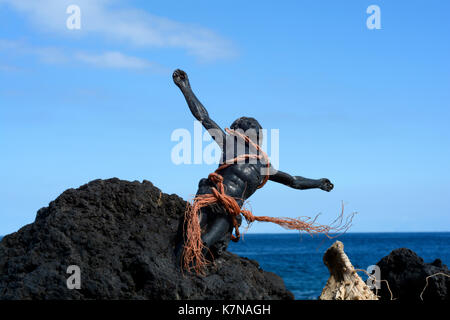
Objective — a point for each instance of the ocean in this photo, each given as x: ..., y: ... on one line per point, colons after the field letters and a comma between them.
x: 298, y: 258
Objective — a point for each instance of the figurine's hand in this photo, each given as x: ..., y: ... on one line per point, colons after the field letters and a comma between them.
x: 326, y: 185
x: 180, y: 78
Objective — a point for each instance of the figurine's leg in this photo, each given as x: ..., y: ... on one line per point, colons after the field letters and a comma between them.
x: 218, y: 235
x: 214, y: 226
x: 216, y: 230
x: 203, y: 220
x: 204, y: 187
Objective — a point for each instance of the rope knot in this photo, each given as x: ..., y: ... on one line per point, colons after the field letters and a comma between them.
x: 215, y: 177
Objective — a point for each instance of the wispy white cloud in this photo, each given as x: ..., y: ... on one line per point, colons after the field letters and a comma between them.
x: 130, y: 26
x: 53, y: 55
x: 9, y: 68
x: 113, y: 60
x: 44, y: 54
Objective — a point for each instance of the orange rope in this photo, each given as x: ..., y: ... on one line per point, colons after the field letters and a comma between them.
x: 193, y: 257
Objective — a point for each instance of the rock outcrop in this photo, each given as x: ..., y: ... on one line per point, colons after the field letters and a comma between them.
x: 121, y: 235
x: 406, y: 275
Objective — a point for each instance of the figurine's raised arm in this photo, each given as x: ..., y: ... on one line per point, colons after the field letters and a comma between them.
x: 301, y: 183
x: 198, y: 110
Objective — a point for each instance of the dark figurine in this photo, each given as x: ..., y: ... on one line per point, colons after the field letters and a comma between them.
x: 240, y: 180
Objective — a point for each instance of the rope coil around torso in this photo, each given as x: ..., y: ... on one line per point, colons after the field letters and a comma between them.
x: 229, y: 203
x: 193, y: 255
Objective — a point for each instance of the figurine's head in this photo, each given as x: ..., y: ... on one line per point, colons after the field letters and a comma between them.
x: 250, y: 127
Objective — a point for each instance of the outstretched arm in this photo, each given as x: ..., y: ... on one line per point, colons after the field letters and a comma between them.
x: 301, y: 183
x: 198, y: 110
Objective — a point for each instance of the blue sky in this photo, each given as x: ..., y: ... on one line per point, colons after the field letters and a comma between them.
x: 368, y: 109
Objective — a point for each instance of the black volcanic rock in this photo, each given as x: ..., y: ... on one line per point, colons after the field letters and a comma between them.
x: 406, y: 272
x: 122, y: 235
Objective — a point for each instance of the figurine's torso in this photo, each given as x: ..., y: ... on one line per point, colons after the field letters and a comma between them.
x: 240, y: 179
